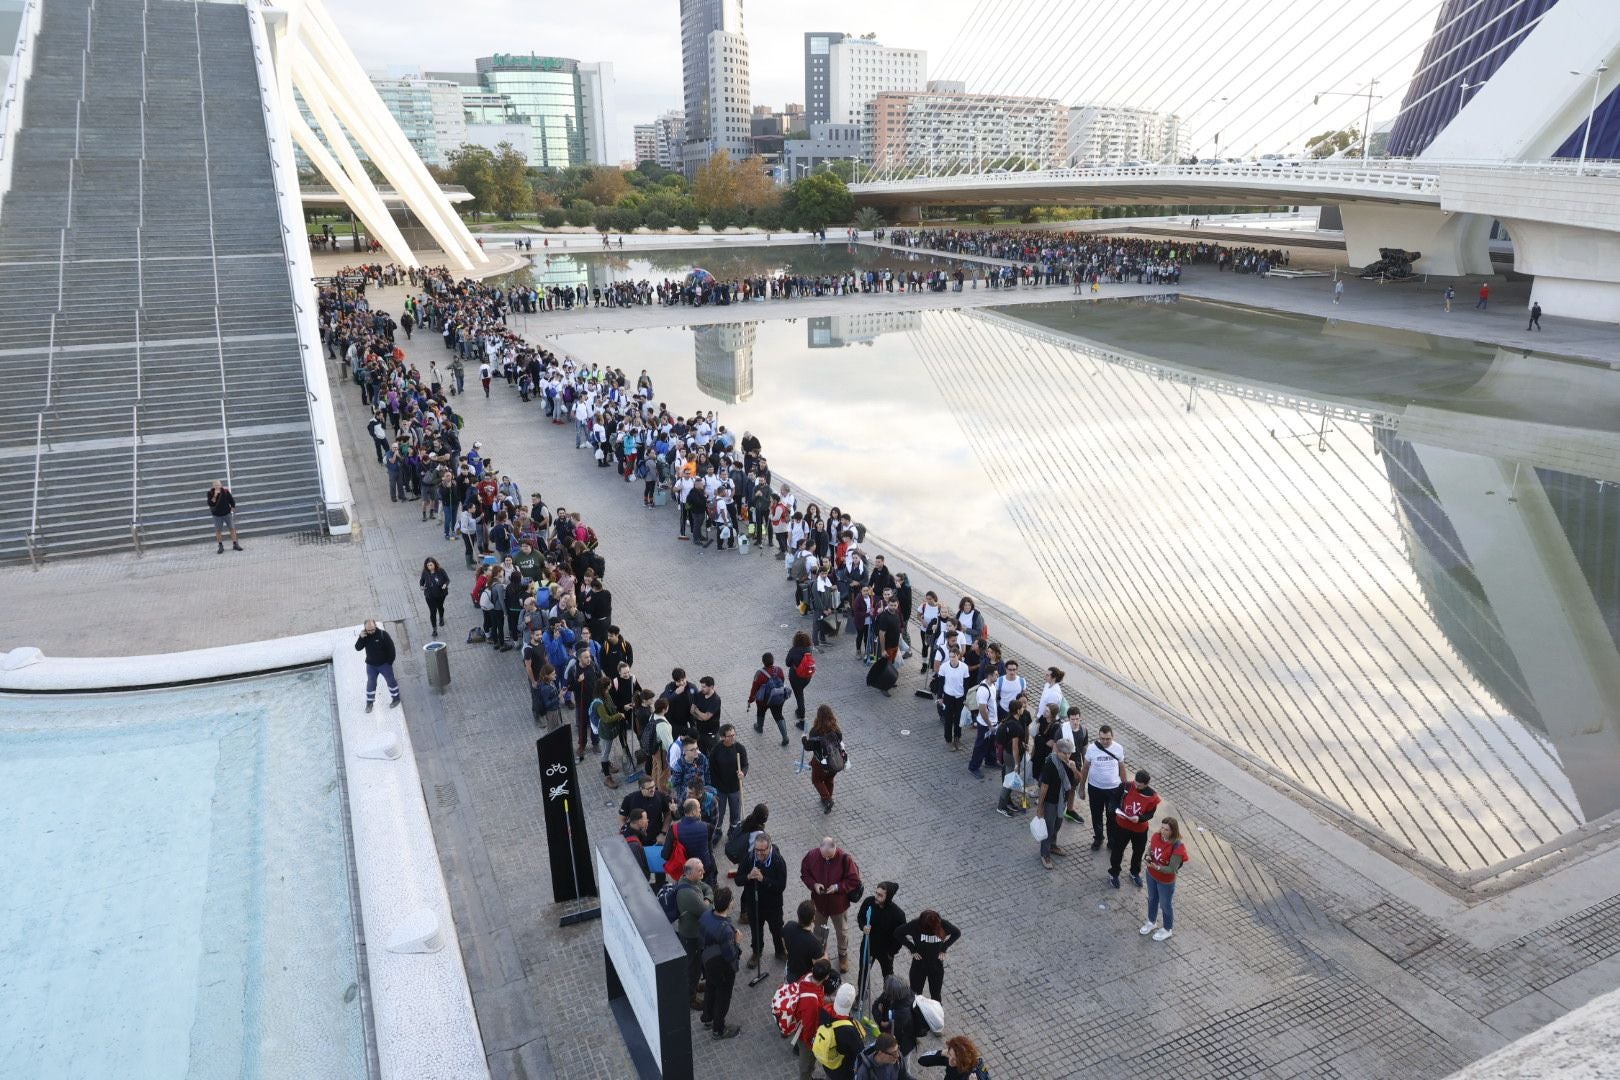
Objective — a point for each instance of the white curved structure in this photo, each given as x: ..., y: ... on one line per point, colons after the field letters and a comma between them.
x: 310, y: 56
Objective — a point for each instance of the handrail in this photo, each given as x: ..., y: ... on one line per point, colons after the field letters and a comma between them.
x: 135, y: 476
x: 225, y: 441
x: 50, y: 362
x: 33, y: 516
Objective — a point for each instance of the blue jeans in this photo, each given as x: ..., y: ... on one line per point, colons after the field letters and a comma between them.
x: 981, y: 749
x: 1160, y: 894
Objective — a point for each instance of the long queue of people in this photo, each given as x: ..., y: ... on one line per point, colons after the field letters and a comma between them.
x: 1083, y: 254
x: 540, y: 581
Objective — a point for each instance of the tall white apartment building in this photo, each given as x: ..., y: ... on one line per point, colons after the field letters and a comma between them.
x: 1117, y: 134
x: 859, y: 69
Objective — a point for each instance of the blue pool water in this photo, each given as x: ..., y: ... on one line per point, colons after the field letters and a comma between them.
x: 176, y: 897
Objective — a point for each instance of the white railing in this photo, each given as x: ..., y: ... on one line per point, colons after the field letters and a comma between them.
x: 334, y: 476
x: 11, y: 108
x: 1419, y: 175
x: 33, y: 513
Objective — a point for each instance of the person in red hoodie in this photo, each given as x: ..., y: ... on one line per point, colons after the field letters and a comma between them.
x: 1135, y: 810
x: 832, y: 878
x: 1166, y: 856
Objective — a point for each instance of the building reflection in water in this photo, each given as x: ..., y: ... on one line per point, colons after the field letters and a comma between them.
x: 725, y: 361
x: 858, y: 328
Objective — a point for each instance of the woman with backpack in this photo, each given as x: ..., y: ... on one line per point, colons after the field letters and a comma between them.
x: 801, y: 667
x: 828, y: 755
x: 768, y: 694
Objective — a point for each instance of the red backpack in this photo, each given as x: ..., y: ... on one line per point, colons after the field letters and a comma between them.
x: 785, y: 1007
x: 675, y: 859
x: 806, y: 667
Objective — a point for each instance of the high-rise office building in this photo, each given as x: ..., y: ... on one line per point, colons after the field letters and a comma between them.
x: 646, y: 142
x: 1119, y: 134
x: 429, y: 113
x: 714, y: 72
x: 976, y: 131
x: 567, y: 105
x: 817, y: 60
x: 859, y: 69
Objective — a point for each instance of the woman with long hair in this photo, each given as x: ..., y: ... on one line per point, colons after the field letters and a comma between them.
x: 1167, y: 854
x: 435, y: 585
x: 797, y: 682
x: 960, y: 1057
x: 827, y: 754
x: 927, y: 937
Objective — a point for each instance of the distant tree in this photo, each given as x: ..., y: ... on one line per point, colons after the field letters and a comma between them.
x: 868, y: 218
x: 722, y: 217
x: 715, y: 185
x: 658, y: 221
x: 512, y: 193
x: 756, y: 190
x: 603, y: 219
x: 473, y: 167
x: 581, y: 213
x: 554, y: 218
x: 1329, y: 143
x: 625, y: 218
x: 687, y: 216
x: 605, y: 187
x: 821, y: 199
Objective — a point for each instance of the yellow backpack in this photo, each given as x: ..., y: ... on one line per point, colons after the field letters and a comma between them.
x: 825, y: 1046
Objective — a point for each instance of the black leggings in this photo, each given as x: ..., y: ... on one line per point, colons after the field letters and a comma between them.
x: 798, y: 686
x: 760, y: 709
x: 929, y: 972
x: 435, y: 606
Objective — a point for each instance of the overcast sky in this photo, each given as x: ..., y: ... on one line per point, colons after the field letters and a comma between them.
x: 1246, y: 69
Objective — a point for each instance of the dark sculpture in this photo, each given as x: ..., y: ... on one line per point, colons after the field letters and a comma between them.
x: 1392, y: 263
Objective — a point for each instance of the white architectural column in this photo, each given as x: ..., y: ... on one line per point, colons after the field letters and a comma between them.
x: 1577, y: 270
x: 1453, y: 245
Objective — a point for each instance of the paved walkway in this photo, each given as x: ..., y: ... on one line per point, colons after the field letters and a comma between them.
x: 1299, y: 952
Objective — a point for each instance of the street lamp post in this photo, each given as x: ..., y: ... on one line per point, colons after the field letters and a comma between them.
x: 1586, y: 138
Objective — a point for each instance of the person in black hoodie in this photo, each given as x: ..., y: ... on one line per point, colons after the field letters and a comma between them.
x: 763, y: 877
x: 435, y: 588
x: 896, y: 1013
x: 881, y: 920
x: 928, y: 936
x: 379, y: 649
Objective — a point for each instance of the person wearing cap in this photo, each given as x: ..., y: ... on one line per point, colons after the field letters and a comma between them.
x: 1057, y: 778
x: 846, y: 1034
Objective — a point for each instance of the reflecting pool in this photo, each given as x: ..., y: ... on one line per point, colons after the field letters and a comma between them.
x: 598, y: 268
x: 1235, y: 511
x: 176, y: 892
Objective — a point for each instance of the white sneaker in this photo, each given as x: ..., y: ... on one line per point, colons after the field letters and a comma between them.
x: 1162, y: 935
x: 1148, y: 928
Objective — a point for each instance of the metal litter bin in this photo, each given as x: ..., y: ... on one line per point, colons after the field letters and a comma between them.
x: 437, y: 656
x: 660, y: 495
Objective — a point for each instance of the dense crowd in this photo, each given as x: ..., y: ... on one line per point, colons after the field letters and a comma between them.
x: 540, y: 583
x: 1084, y: 254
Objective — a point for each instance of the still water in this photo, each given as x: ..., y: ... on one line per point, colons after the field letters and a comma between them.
x: 1227, y: 508
x: 599, y: 268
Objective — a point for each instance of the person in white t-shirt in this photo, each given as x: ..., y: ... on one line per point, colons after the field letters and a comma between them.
x: 1103, y: 776
x: 982, y: 702
x: 1009, y: 687
x: 1052, y: 693
x: 1074, y: 730
x: 952, y: 687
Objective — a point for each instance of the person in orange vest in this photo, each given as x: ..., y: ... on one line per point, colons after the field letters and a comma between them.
x: 1166, y: 856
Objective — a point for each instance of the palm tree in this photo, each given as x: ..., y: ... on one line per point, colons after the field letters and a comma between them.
x: 868, y: 218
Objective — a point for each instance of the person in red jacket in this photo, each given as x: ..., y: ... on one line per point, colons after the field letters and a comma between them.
x: 1166, y: 856
x: 811, y: 1004
x: 1131, y: 817
x: 832, y: 878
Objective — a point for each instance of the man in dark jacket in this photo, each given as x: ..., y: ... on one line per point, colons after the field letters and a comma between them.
x: 728, y: 765
x: 720, y: 953
x: 221, y: 506
x: 379, y: 650
x: 804, y: 945
x: 763, y: 876
x: 693, y: 833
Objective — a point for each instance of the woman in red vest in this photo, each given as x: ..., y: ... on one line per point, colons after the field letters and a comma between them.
x: 1131, y: 817
x: 1166, y: 856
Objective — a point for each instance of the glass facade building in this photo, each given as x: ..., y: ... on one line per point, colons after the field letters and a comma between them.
x: 547, y: 90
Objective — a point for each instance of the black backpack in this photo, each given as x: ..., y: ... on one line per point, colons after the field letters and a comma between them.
x: 737, y: 844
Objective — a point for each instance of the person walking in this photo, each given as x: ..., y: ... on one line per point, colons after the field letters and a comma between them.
x: 222, y: 508
x: 1136, y: 809
x: 825, y: 742
x: 927, y: 937
x: 1338, y: 291
x: 880, y: 921
x: 435, y: 585
x: 379, y: 649
x: 832, y: 878
x: 693, y: 897
x: 1057, y: 777
x: 728, y: 765
x: 768, y: 694
x: 1102, y: 775
x: 1535, y: 317
x: 721, y: 949
x: 1451, y: 294
x: 763, y: 877
x: 1167, y: 854
x: 1484, y: 301
x: 801, y: 667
